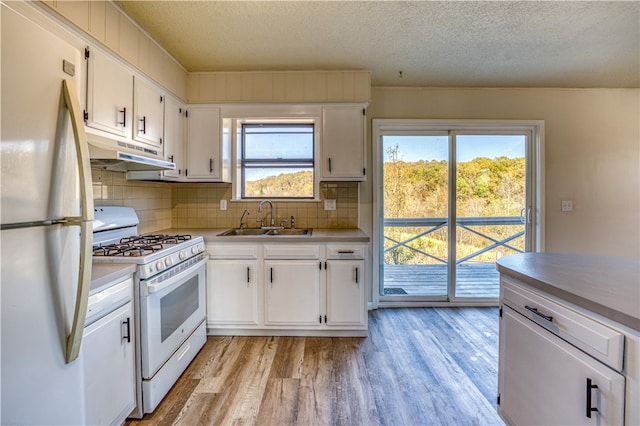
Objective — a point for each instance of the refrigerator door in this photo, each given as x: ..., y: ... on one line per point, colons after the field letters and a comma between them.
x: 46, y: 270
x: 38, y: 170
x: 38, y: 277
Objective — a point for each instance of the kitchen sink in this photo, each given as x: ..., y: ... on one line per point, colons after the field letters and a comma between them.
x: 238, y: 232
x: 244, y: 231
x: 295, y: 231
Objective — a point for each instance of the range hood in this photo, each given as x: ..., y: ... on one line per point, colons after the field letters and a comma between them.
x: 110, y: 154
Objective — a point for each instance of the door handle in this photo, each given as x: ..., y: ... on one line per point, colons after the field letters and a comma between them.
x: 540, y: 314
x: 589, y: 408
x: 127, y: 323
x: 85, y: 221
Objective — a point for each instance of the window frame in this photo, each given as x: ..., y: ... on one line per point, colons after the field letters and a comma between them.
x: 276, y: 163
x: 234, y: 115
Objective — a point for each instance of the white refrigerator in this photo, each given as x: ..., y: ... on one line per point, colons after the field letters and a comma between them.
x: 46, y: 215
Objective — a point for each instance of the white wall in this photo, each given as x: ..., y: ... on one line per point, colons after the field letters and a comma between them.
x: 592, y: 150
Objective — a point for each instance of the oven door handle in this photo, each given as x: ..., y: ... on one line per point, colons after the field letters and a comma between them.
x: 158, y: 287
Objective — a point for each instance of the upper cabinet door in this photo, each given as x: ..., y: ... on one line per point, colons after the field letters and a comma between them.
x: 148, y: 113
x: 174, y: 133
x: 204, y: 148
x: 343, y: 143
x: 109, y: 95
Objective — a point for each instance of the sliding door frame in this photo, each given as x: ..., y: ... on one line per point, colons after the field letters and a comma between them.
x: 534, y: 196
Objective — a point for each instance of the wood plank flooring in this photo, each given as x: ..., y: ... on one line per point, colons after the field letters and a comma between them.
x: 418, y: 366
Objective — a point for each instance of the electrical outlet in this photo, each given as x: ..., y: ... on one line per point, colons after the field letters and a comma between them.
x: 329, y: 204
x: 567, y: 205
x: 223, y: 204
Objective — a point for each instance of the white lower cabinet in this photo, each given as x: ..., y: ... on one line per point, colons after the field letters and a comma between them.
x: 107, y: 350
x: 548, y: 381
x: 345, y: 292
x: 556, y: 366
x: 232, y: 292
x: 297, y: 288
x: 292, y: 292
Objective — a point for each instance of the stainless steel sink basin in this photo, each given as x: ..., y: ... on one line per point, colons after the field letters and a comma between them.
x: 296, y: 231
x: 237, y: 232
x: 244, y: 231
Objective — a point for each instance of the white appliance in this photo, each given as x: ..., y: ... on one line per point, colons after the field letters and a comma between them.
x: 45, y: 237
x: 169, y: 298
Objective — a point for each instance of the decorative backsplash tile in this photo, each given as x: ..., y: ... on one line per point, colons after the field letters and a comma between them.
x: 198, y: 206
x: 163, y: 205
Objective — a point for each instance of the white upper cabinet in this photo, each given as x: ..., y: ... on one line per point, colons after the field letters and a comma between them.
x: 207, y: 156
x: 343, y: 143
x: 109, y: 95
x: 148, y: 113
x: 174, y: 136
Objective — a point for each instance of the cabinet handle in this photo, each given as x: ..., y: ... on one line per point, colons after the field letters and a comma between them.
x: 590, y: 409
x: 210, y: 165
x: 271, y: 275
x: 357, y: 275
x: 124, y: 117
x: 171, y: 158
x: 144, y: 125
x: 540, y: 314
x: 329, y: 164
x: 345, y: 251
x: 248, y: 276
x: 127, y: 323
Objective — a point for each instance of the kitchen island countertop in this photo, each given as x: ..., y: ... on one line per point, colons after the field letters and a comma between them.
x: 605, y: 285
x: 210, y: 235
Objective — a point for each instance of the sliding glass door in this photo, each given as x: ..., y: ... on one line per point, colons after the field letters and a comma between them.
x: 451, y: 202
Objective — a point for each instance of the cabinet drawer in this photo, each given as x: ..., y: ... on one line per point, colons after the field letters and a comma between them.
x: 232, y: 251
x: 286, y: 251
x: 594, y: 338
x: 346, y: 251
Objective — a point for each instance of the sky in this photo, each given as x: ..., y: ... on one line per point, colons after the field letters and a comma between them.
x: 414, y: 148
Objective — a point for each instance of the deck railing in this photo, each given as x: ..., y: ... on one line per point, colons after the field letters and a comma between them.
x: 434, y: 224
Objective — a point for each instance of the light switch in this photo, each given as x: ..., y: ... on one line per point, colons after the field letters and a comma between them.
x: 567, y: 205
x: 223, y: 204
x: 329, y: 204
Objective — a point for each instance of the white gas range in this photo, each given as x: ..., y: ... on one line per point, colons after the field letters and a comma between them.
x: 169, y: 296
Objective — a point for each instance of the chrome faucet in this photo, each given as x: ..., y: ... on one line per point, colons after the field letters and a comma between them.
x: 245, y: 212
x: 273, y: 220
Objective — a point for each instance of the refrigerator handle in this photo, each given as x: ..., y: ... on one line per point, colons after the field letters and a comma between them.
x: 85, y: 221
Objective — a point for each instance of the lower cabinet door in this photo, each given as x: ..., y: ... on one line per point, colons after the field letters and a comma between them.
x: 232, y: 292
x: 543, y: 380
x: 292, y: 291
x: 107, y: 351
x: 346, y: 293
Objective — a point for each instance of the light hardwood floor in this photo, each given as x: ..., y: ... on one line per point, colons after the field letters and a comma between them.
x: 419, y: 366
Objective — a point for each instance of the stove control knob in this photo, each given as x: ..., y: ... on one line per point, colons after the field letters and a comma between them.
x: 168, y: 261
x: 159, y: 265
x: 194, y: 250
x: 182, y: 255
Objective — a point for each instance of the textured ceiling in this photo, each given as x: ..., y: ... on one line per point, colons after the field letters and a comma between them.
x: 449, y: 43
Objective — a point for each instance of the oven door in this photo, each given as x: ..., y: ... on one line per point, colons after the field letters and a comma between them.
x: 172, y: 305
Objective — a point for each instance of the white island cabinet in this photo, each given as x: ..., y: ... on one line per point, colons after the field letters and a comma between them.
x: 568, y: 351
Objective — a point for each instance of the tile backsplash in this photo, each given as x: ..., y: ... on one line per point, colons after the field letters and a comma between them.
x: 163, y: 205
x: 151, y: 200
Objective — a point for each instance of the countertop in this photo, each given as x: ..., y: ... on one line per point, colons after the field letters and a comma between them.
x: 210, y: 235
x: 106, y: 273
x: 605, y: 285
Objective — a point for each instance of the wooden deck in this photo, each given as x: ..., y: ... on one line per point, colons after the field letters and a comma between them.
x: 472, y: 280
